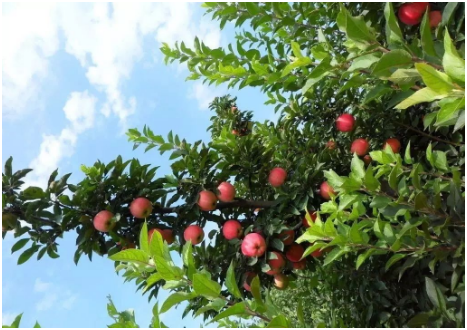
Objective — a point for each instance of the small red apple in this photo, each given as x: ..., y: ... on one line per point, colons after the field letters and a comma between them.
x: 233, y: 109
x: 207, y: 200
x: 394, y: 144
x: 295, y: 252
x: 226, y: 192
x: 435, y: 17
x: 253, y: 245
x: 141, y: 208
x: 287, y: 237
x: 331, y: 145
x: 313, y: 217
x: 276, y: 264
x: 345, y: 122
x: 168, y: 236
x: 317, y: 253
x: 299, y: 265
x: 103, y: 221
x: 277, y: 177
x: 194, y: 233
x: 281, y: 281
x: 412, y: 13
x: 360, y: 147
x: 367, y: 160
x: 235, y: 132
x: 232, y: 229
x: 325, y: 190
x: 249, y: 276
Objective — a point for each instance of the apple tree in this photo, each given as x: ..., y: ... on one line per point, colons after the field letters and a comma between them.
x: 347, y: 211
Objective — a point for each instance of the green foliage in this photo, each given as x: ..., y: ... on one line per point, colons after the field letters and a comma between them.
x: 388, y: 249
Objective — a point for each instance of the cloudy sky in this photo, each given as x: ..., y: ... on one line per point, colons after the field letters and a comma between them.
x: 75, y: 78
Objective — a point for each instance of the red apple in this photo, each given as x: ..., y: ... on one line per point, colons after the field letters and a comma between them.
x: 103, y: 221
x: 345, y: 122
x: 316, y: 253
x: 360, y: 147
x: 299, y: 265
x: 412, y: 13
x: 235, y: 132
x: 367, y: 160
x: 287, y: 237
x: 233, y: 109
x: 394, y: 144
x: 194, y: 233
x: 129, y: 245
x: 253, y: 245
x: 141, y: 208
x: 326, y: 190
x: 168, y: 236
x: 226, y: 192
x: 281, y: 281
x: 207, y: 200
x: 435, y: 17
x: 249, y: 276
x: 151, y: 233
x: 277, y: 177
x: 232, y: 229
x: 276, y: 264
x: 295, y: 252
x: 331, y: 145
x: 305, y: 221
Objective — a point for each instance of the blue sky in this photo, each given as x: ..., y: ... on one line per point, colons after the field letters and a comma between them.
x: 75, y: 77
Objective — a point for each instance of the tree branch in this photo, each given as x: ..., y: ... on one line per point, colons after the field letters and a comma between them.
x: 226, y: 205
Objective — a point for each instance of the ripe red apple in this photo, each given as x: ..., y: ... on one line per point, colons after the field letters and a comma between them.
x: 277, y: 177
x: 305, y: 221
x: 295, y: 252
x: 360, y: 147
x: 249, y: 276
x: 226, y: 192
x: 232, y: 229
x: 253, y: 245
x: 345, y: 122
x: 194, y: 233
x: 103, y: 221
x: 287, y: 237
x: 233, y: 109
x: 316, y: 253
x: 281, y: 281
x: 394, y: 144
x: 235, y: 132
x: 367, y: 160
x: 276, y: 264
x: 412, y: 13
x: 168, y: 236
x: 207, y: 200
x: 435, y: 17
x: 8, y: 221
x: 331, y: 145
x: 299, y: 265
x: 325, y: 190
x: 141, y: 208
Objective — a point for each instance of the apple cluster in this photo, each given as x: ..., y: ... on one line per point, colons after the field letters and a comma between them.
x: 411, y: 13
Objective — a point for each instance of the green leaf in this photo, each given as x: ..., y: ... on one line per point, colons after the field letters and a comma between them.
x: 303, y: 61
x: 296, y: 49
x: 318, y: 73
x: 231, y: 282
x: 354, y: 234
x: 355, y: 27
x: 334, y: 179
x: 421, y: 201
x: 435, y: 294
x: 420, y: 96
x: 334, y: 254
x: 393, y: 32
x: 357, y: 167
x: 217, y: 304
x: 17, y: 321
x: 206, y: 287
x: 428, y: 45
x: 309, y: 250
x: 453, y: 64
x: 175, y: 299
x: 37, y: 325
x: 256, y: 290
x: 279, y: 321
x: 236, y: 309
x: 143, y: 238
x: 151, y: 280
x: 407, y: 157
x: 329, y: 228
x: 435, y: 80
x: 405, y: 77
x: 19, y: 245
x: 448, y: 12
x: 460, y: 121
x: 390, y: 61
x: 252, y: 8
x: 363, y: 62
x: 131, y: 255
x: 167, y: 270
x: 33, y: 193
x: 388, y: 234
x: 380, y: 202
x: 420, y: 319
x: 8, y: 168
x: 300, y: 317
x: 363, y: 257
x: 395, y: 258
x: 188, y: 259
x: 449, y: 110
x: 376, y: 92
x: 369, y: 180
x: 27, y: 254
x: 440, y: 160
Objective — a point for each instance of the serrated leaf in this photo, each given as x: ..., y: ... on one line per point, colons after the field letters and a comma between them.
x: 131, y: 255
x: 435, y: 80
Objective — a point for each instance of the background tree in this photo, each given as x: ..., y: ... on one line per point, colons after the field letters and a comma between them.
x: 387, y: 238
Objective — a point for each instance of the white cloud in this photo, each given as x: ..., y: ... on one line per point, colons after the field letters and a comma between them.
x: 53, y: 296
x: 47, y: 302
x: 204, y: 94
x: 40, y: 286
x: 8, y: 317
x: 80, y: 111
